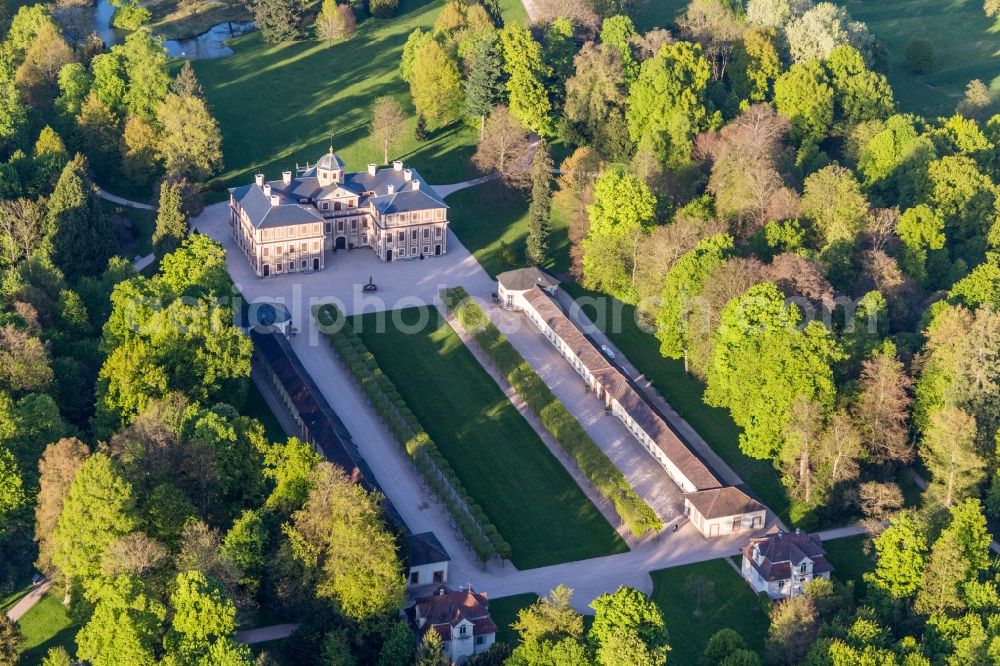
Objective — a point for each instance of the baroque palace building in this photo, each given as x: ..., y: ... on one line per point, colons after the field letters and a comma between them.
x: 286, y: 226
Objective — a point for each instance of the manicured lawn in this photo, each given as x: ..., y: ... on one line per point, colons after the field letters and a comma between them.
x: 504, y: 613
x: 650, y: 14
x: 850, y: 561
x: 482, y: 217
x: 46, y: 626
x: 730, y: 604
x: 503, y: 464
x: 967, y: 43
x: 258, y: 409
x: 277, y: 104
x: 684, y: 393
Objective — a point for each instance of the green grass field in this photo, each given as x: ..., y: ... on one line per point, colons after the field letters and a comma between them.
x: 503, y: 464
x: 684, y: 393
x: 277, y: 104
x: 966, y: 40
x: 729, y: 604
x: 504, y: 613
x: 45, y: 626
x: 484, y: 216
x: 850, y: 562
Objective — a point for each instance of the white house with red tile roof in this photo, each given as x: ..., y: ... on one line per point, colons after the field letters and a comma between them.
x: 781, y: 563
x: 462, y: 618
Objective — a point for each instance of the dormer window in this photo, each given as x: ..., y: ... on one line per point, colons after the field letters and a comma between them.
x: 802, y: 568
x: 463, y: 630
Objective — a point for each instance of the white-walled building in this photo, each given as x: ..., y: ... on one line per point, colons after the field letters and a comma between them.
x: 780, y: 563
x: 713, y: 508
x: 462, y: 618
x: 427, y: 560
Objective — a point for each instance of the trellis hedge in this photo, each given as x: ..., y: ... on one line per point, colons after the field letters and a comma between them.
x: 478, y: 530
x: 634, y: 512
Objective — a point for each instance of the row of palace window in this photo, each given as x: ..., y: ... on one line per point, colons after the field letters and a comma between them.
x: 291, y: 231
x: 414, y: 236
x: 340, y: 226
x: 279, y: 250
x: 279, y: 266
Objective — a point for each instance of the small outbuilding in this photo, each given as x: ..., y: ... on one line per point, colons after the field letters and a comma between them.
x: 427, y: 560
x: 781, y: 563
x: 719, y: 511
x: 513, y: 285
x: 461, y: 618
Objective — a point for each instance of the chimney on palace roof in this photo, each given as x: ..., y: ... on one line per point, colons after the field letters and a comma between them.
x: 397, y: 165
x: 372, y: 168
x: 267, y: 189
x: 259, y: 179
x: 286, y: 177
x: 416, y: 184
x: 275, y: 200
x: 392, y: 189
x: 407, y: 175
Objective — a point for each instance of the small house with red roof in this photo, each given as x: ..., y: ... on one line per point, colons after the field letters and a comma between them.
x: 461, y: 617
x: 781, y: 563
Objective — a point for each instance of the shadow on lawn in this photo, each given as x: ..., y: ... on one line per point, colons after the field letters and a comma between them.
x: 65, y: 638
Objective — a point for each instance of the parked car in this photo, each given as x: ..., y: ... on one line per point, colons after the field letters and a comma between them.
x: 607, y: 350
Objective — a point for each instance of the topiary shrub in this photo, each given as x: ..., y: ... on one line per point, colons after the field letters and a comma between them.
x: 383, y: 8
x: 921, y: 57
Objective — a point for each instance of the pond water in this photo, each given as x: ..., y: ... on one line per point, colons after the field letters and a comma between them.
x: 210, y: 44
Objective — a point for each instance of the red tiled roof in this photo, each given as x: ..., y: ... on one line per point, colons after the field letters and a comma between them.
x: 618, y: 386
x: 446, y: 609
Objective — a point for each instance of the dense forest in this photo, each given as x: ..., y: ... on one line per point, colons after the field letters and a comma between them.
x: 826, y: 264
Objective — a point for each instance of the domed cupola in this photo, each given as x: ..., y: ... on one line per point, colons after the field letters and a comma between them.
x: 330, y: 168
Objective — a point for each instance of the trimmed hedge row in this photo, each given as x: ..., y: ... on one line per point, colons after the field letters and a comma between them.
x: 637, y: 515
x: 482, y: 535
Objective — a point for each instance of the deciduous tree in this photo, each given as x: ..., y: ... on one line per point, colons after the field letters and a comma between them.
x: 57, y: 469
x: 99, y: 508
x: 526, y: 72
x: 335, y: 22
x: 948, y: 450
x: 436, y: 86
x: 620, y: 217
x: 504, y: 149
x: 388, y: 117
x: 882, y: 407
x: 763, y: 362
x: 191, y: 144
x: 834, y: 202
x: 667, y: 104
x: 125, y: 626
x: 344, y: 547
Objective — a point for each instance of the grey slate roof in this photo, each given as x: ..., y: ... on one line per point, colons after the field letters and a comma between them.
x: 306, y: 186
x: 330, y: 161
x: 424, y: 548
x: 523, y: 279
x: 782, y: 552
x: 263, y: 215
